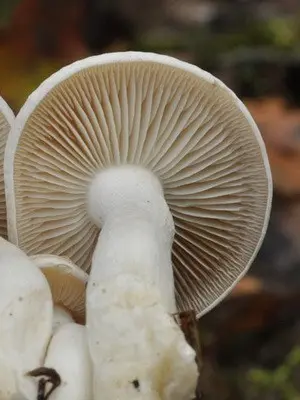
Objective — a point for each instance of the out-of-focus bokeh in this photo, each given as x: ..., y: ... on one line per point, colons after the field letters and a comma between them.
x: 251, y: 342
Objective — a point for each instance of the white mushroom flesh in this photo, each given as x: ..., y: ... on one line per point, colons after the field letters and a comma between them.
x: 25, y: 321
x: 68, y: 354
x: 60, y: 317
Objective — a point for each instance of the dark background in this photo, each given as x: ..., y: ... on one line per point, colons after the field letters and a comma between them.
x: 251, y: 342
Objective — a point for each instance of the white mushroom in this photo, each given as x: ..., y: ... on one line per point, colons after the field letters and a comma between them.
x: 68, y: 287
x: 6, y: 119
x: 141, y: 146
x: 25, y: 321
x: 67, y: 353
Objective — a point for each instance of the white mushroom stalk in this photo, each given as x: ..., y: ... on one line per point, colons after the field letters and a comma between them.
x: 140, y: 147
x: 25, y: 321
x: 137, y: 349
x: 6, y: 119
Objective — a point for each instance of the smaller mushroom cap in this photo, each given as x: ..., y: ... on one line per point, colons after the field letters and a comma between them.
x: 67, y: 283
x: 6, y: 120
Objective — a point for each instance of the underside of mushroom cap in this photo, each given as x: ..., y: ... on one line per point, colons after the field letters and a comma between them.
x: 165, y: 115
x: 6, y: 120
x: 67, y: 283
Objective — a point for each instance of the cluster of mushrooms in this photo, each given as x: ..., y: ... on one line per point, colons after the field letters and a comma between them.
x: 134, y: 186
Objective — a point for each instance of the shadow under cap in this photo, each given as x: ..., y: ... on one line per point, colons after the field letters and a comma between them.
x: 165, y: 115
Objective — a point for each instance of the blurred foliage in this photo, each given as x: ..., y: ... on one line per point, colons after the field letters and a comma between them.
x: 18, y: 81
x: 207, y: 45
x: 277, y: 33
x: 283, y: 32
x: 280, y: 383
x: 6, y: 10
x: 162, y: 42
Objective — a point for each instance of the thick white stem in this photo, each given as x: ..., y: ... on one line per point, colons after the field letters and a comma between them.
x: 137, y: 230
x: 60, y: 317
x: 138, y: 351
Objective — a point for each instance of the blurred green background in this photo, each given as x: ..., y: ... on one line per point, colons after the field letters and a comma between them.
x: 251, y: 342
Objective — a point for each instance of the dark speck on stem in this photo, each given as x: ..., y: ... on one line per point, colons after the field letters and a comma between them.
x: 136, y: 384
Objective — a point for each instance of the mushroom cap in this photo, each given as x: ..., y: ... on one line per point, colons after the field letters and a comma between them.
x: 67, y: 283
x: 6, y: 120
x: 165, y: 115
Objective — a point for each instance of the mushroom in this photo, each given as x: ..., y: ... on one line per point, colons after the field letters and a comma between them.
x: 68, y: 286
x: 167, y: 162
x: 68, y: 356
x: 25, y: 321
x: 6, y: 120
x: 67, y: 353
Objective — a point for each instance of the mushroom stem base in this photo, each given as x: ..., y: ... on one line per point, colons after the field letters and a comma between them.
x: 138, y: 351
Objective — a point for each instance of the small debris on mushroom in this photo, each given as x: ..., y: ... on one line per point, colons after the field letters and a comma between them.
x: 46, y: 376
x: 136, y: 384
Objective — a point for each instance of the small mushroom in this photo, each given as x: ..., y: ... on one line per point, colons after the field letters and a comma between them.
x: 167, y: 163
x: 25, y: 321
x: 67, y: 354
x: 6, y: 119
x: 68, y: 286
x: 67, y: 366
